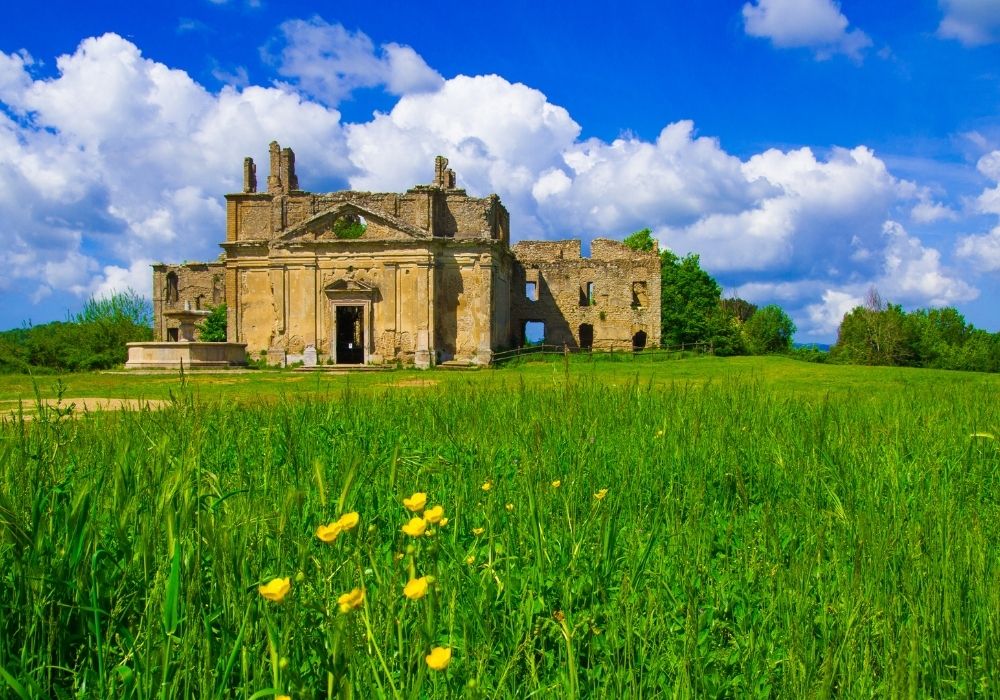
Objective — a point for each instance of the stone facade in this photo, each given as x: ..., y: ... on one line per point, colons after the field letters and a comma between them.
x: 420, y: 277
x: 608, y: 301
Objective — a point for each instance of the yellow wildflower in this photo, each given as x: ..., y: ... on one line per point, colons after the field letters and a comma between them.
x: 659, y: 433
x: 439, y: 658
x: 432, y: 515
x: 509, y: 507
x: 276, y: 589
x: 416, y: 502
x: 351, y: 601
x: 470, y: 560
x: 328, y: 533
x: 443, y: 522
x: 416, y: 588
x: 282, y: 697
x: 488, y: 485
x: 556, y: 484
x: 416, y: 527
x: 601, y: 494
x: 348, y: 521
x: 477, y: 531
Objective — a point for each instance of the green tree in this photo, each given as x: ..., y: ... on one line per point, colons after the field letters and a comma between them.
x: 769, y: 330
x: 740, y: 309
x: 642, y: 241
x: 126, y: 307
x: 875, y: 334
x: 95, y: 338
x: 690, y: 308
x: 689, y: 298
x: 213, y: 328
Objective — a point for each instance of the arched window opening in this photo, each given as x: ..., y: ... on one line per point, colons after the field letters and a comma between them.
x: 639, y: 341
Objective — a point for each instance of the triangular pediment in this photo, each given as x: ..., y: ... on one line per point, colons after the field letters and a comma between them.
x: 348, y: 285
x: 338, y: 224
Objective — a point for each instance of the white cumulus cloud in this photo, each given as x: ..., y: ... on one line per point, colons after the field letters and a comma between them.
x: 814, y: 24
x: 120, y: 158
x: 328, y: 62
x: 982, y: 251
x: 972, y: 22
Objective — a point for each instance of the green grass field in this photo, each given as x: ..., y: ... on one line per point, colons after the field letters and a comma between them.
x: 746, y: 527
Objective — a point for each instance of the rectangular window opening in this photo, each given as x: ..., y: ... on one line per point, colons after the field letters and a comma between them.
x: 534, y: 333
x: 531, y: 290
x: 587, y: 294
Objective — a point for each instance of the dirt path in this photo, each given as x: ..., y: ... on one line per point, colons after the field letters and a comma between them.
x: 9, y: 409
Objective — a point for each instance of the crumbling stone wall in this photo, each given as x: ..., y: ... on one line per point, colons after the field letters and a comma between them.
x: 615, y: 292
x: 200, y: 285
x: 440, y: 209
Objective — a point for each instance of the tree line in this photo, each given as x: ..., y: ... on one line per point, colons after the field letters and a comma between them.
x: 93, y: 339
x: 875, y: 333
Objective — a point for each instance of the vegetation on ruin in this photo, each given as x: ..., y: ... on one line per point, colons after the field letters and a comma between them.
x: 214, y: 328
x: 348, y: 227
x: 735, y: 527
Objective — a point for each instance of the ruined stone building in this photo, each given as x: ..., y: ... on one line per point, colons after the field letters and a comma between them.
x: 423, y: 277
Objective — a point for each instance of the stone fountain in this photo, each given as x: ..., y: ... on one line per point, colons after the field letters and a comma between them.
x: 187, y: 317
x: 186, y: 352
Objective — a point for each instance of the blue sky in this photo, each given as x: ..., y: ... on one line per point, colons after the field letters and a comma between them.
x: 805, y: 149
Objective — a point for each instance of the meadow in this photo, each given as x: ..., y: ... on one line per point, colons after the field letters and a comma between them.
x: 707, y: 527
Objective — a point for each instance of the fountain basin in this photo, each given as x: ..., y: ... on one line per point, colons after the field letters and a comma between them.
x: 187, y: 355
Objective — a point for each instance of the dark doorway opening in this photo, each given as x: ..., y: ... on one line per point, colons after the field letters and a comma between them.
x: 350, y: 335
x: 586, y: 336
x: 639, y: 341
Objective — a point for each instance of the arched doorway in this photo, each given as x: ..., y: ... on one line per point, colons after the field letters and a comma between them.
x: 639, y: 341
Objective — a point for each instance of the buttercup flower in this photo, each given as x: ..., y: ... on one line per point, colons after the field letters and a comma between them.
x: 432, y: 515
x: 348, y: 521
x: 509, y: 507
x: 283, y: 697
x: 477, y: 531
x: 416, y: 527
x: 416, y: 502
x: 352, y: 600
x: 601, y: 494
x: 416, y: 588
x: 276, y: 589
x: 470, y: 560
x: 439, y: 658
x: 487, y: 486
x: 443, y: 522
x: 556, y: 484
x: 328, y: 533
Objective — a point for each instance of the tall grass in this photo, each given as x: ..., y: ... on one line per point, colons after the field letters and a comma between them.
x: 749, y: 544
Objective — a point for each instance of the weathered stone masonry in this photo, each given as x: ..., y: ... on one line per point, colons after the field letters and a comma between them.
x: 431, y: 277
